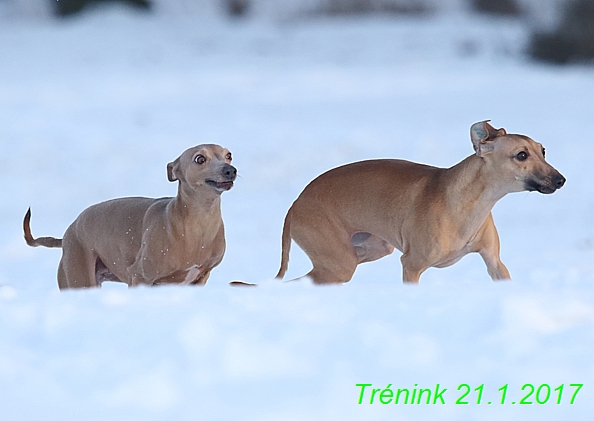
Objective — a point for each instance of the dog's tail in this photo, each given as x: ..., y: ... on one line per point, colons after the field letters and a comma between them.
x: 286, y: 246
x: 41, y: 241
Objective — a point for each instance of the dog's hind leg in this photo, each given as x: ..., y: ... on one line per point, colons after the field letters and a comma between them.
x: 77, y: 267
x: 62, y: 280
x: 330, y: 250
x: 411, y: 268
x: 328, y: 270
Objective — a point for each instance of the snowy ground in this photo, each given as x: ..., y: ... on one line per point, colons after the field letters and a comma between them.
x: 94, y: 107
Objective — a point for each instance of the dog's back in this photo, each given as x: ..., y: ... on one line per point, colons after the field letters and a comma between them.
x: 367, y: 191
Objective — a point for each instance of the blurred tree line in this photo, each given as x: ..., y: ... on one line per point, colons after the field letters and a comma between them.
x: 71, y: 7
x: 572, y: 40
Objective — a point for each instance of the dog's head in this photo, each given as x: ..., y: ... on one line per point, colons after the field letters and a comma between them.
x: 517, y: 159
x: 204, y: 165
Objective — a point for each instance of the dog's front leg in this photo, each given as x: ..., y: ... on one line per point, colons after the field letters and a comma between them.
x: 136, y: 273
x: 136, y: 280
x: 487, y: 245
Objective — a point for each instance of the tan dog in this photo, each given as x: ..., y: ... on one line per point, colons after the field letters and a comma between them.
x: 138, y: 240
x: 361, y: 211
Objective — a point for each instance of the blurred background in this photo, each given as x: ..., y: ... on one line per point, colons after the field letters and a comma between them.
x: 561, y: 31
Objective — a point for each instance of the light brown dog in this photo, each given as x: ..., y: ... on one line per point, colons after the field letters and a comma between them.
x: 138, y: 240
x: 361, y: 211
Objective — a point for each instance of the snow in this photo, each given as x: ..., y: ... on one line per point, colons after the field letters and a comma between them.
x: 94, y: 107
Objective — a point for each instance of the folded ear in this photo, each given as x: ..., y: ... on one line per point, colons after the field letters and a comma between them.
x: 172, y: 169
x: 482, y: 135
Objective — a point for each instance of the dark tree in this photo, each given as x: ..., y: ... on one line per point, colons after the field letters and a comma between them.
x: 71, y: 7
x: 237, y: 8
x: 497, y: 7
x: 572, y: 41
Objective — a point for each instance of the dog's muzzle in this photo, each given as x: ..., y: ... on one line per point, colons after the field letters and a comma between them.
x: 229, y: 174
x: 544, y: 185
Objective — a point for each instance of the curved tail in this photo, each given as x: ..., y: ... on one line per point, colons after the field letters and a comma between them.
x: 41, y: 241
x: 286, y: 246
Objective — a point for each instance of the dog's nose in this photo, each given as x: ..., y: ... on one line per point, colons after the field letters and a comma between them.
x: 229, y: 172
x: 558, y: 181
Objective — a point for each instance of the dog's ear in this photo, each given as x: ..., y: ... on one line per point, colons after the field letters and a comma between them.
x: 172, y: 169
x: 482, y: 135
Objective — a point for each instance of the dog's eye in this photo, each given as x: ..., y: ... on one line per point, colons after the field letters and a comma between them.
x: 543, y: 152
x: 200, y: 159
x: 228, y: 156
x: 522, y: 156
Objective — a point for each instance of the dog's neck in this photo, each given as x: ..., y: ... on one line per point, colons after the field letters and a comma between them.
x: 471, y: 191
x: 201, y: 199
x: 198, y: 208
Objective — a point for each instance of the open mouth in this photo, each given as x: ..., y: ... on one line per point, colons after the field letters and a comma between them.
x: 546, y: 189
x: 219, y: 185
x: 532, y: 185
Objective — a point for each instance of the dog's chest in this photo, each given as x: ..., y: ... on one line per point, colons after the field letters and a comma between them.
x: 186, y: 276
x: 190, y: 267
x: 191, y: 274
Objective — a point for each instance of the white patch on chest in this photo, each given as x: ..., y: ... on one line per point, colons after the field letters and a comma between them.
x: 192, y: 274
